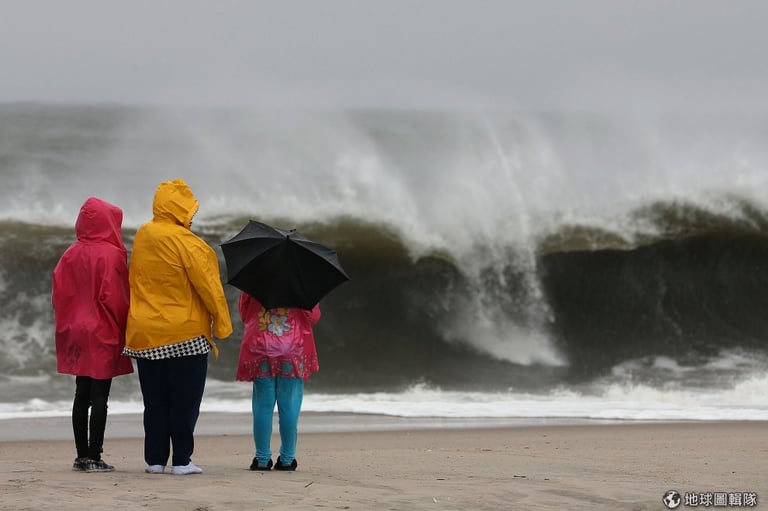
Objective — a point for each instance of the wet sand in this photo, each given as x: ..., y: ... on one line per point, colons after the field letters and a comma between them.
x: 390, y: 464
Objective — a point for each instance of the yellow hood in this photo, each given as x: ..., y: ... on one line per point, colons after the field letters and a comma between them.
x: 175, y: 202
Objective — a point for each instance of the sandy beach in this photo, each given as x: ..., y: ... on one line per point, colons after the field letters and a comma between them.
x: 547, y: 466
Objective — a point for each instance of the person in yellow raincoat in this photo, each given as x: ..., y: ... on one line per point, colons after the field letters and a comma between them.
x: 177, y: 307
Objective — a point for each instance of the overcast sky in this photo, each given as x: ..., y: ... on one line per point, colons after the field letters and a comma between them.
x: 537, y: 54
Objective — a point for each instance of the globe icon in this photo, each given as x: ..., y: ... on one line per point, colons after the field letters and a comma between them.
x: 671, y: 499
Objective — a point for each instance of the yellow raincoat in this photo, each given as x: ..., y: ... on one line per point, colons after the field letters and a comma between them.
x: 176, y: 291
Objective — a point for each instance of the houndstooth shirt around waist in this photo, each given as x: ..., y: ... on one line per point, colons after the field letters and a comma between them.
x: 197, y: 346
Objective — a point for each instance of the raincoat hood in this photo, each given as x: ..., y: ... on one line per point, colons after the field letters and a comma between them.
x: 174, y: 202
x: 100, y: 221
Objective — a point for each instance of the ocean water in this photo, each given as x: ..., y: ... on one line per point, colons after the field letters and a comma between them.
x: 503, y: 265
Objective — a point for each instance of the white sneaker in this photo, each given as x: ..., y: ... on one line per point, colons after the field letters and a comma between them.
x: 155, y: 469
x: 183, y: 470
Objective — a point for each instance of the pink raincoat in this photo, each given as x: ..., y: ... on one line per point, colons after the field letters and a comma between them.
x: 276, y: 342
x: 90, y: 296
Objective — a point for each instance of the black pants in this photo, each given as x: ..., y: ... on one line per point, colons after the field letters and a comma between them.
x: 93, y: 394
x: 172, y: 390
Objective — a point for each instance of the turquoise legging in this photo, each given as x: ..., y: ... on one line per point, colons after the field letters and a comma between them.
x: 287, y: 393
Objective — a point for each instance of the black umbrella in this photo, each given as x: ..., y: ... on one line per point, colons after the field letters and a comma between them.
x: 281, y: 268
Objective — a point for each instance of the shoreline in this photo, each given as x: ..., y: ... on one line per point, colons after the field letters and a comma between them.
x: 624, y: 466
x: 129, y: 425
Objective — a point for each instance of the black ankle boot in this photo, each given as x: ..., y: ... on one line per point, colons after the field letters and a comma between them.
x: 255, y: 465
x: 279, y: 465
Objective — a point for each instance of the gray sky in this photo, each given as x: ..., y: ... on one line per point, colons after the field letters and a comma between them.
x: 537, y: 54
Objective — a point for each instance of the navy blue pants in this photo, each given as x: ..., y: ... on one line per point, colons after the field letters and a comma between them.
x: 172, y: 389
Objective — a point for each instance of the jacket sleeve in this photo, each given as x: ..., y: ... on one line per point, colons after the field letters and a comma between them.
x: 242, y: 306
x: 61, y: 287
x: 56, y: 286
x: 114, y: 292
x: 313, y: 316
x: 249, y: 308
x: 202, y: 267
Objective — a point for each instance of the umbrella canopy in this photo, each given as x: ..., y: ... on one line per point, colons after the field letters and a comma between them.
x: 281, y: 268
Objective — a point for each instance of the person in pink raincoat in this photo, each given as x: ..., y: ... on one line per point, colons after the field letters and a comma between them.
x: 278, y: 355
x: 90, y: 298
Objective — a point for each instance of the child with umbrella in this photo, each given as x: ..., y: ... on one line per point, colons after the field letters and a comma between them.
x: 282, y: 275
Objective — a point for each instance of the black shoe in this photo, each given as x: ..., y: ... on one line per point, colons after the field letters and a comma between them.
x: 98, y: 466
x: 255, y: 465
x: 79, y: 465
x: 279, y: 465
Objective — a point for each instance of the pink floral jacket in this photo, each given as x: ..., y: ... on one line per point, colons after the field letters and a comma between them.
x: 276, y: 342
